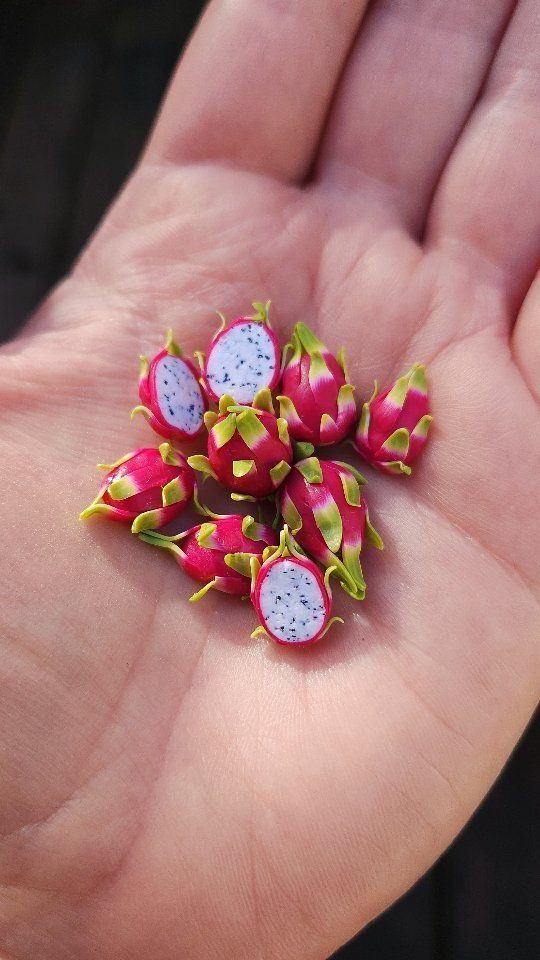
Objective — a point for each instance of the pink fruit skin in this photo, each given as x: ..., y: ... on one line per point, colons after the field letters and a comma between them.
x: 386, y: 415
x: 255, y: 598
x: 385, y: 420
x: 147, y: 395
x: 267, y: 454
x: 235, y: 323
x: 311, y: 403
x: 204, y: 564
x: 148, y: 471
x: 305, y: 496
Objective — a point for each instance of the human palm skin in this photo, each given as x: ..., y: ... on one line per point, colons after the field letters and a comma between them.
x: 170, y: 788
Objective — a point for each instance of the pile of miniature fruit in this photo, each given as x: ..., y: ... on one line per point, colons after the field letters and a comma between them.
x: 321, y: 515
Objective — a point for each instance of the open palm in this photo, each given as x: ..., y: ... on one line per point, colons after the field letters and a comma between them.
x: 171, y: 789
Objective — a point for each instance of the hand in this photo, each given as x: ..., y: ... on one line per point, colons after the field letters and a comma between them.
x: 170, y: 788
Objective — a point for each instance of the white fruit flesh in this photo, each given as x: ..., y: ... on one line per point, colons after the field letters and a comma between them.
x: 178, y: 395
x: 291, y: 602
x: 242, y: 361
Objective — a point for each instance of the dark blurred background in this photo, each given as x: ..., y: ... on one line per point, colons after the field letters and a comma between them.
x: 79, y: 85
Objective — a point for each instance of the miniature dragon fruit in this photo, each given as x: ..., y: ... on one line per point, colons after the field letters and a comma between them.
x: 394, y: 424
x: 249, y: 450
x: 292, y: 598
x: 219, y: 552
x: 243, y: 358
x: 317, y: 402
x: 323, y: 505
x: 172, y: 399
x: 147, y: 488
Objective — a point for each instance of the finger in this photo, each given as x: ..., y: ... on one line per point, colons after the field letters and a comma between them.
x: 410, y: 83
x: 526, y: 339
x: 489, y: 196
x: 254, y: 85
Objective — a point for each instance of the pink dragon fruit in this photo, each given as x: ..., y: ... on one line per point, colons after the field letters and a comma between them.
x: 243, y: 358
x: 292, y: 598
x: 394, y: 424
x: 172, y: 399
x: 317, y: 402
x: 147, y: 488
x: 249, y: 450
x: 218, y: 553
x: 323, y: 505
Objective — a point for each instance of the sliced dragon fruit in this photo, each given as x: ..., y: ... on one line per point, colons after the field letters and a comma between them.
x: 292, y: 598
x: 172, y: 399
x: 243, y: 358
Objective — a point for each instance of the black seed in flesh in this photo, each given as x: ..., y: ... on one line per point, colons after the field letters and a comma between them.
x: 282, y: 599
x: 241, y: 362
x: 178, y: 394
